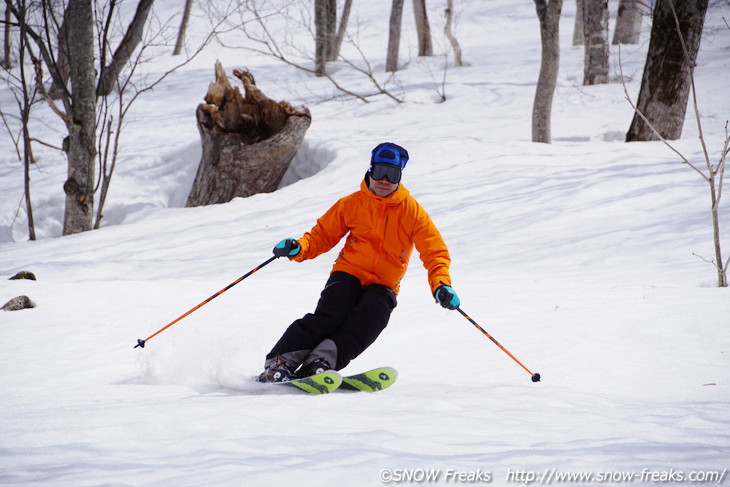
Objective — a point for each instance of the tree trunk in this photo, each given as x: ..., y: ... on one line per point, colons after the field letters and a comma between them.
x: 578, y: 26
x: 396, y: 17
x: 81, y: 143
x: 248, y: 142
x: 595, y: 32
x: 341, y: 31
x: 722, y: 280
x: 110, y: 73
x: 324, y: 13
x: 183, y: 27
x: 666, y: 81
x: 425, y: 47
x: 449, y: 13
x: 25, y: 107
x: 628, y: 22
x: 548, y: 12
x: 27, y: 160
x: 7, y: 63
x: 58, y: 88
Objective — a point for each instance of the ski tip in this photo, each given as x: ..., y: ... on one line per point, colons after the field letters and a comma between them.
x: 371, y: 381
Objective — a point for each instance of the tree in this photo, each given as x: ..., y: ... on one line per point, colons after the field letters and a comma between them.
x: 548, y: 13
x: 595, y: 32
x: 110, y: 72
x: 666, y: 81
x: 6, y: 62
x: 80, y: 118
x: 628, y: 22
x: 86, y: 25
x: 715, y: 173
x: 448, y: 32
x: 344, y: 18
x: 325, y: 22
x: 24, y: 91
x: 183, y: 27
x: 396, y: 16
x: 255, y: 19
x: 578, y: 37
x: 425, y: 46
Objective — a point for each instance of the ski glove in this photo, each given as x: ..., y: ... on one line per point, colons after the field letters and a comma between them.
x: 447, y: 297
x: 287, y: 248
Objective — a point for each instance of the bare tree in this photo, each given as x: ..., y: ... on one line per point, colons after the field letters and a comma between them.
x: 595, y: 32
x: 325, y: 21
x: 714, y: 177
x: 578, y: 25
x: 23, y: 88
x: 425, y: 46
x: 628, y: 22
x: 6, y: 61
x: 110, y: 72
x: 396, y: 16
x: 80, y: 118
x: 255, y: 18
x: 548, y: 12
x: 78, y: 106
x: 344, y: 18
x: 449, y: 33
x: 666, y: 82
x: 183, y: 27
x: 715, y: 173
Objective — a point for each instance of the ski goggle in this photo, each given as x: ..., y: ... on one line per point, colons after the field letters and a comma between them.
x: 390, y: 172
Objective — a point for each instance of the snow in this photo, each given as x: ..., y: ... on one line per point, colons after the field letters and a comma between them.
x: 576, y: 256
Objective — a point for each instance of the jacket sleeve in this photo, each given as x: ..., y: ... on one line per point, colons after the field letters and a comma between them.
x: 432, y: 250
x: 326, y: 233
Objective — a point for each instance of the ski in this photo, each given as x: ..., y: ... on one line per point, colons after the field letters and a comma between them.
x: 322, y: 383
x: 371, y: 381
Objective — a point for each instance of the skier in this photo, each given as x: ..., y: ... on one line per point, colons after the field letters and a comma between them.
x: 382, y: 222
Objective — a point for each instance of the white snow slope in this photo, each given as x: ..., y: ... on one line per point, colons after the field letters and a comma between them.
x: 577, y: 256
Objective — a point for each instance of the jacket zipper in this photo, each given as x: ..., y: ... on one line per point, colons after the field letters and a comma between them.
x: 382, y: 224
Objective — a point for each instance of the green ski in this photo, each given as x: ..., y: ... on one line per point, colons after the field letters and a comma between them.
x: 322, y: 383
x: 371, y: 381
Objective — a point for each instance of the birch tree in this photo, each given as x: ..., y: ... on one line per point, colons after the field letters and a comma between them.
x: 80, y: 118
x: 548, y: 13
x: 423, y: 29
x: 628, y: 22
x: 325, y: 21
x: 183, y: 28
x: 449, y: 33
x: 595, y: 32
x: 394, y: 28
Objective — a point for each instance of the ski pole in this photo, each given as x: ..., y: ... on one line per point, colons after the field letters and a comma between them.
x: 535, y: 377
x: 141, y: 343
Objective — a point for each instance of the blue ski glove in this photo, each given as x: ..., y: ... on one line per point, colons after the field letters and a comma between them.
x: 447, y: 297
x: 287, y: 248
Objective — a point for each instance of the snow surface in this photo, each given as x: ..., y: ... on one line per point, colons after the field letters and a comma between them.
x: 577, y: 256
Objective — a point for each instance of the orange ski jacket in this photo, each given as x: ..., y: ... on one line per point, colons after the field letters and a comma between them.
x: 381, y: 233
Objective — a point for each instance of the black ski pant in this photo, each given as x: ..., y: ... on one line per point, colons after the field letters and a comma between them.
x: 348, y: 318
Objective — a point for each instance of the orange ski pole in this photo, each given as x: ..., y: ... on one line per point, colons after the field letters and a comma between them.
x: 535, y: 377
x: 141, y: 343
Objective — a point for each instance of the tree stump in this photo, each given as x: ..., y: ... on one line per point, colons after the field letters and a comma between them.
x: 248, y: 141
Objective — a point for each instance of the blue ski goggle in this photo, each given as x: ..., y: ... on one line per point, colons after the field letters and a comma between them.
x: 389, y: 171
